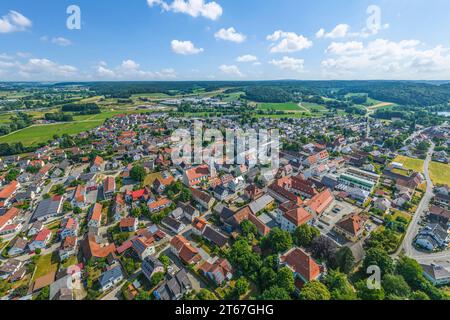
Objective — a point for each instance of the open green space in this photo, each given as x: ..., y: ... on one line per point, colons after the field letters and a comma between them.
x: 410, y: 163
x: 46, y: 264
x: 440, y: 173
x: 41, y: 133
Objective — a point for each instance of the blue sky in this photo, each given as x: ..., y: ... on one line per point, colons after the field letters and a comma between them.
x: 225, y: 40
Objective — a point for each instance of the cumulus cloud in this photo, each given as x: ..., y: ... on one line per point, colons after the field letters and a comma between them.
x: 230, y: 34
x: 340, y: 31
x: 288, y: 42
x: 381, y: 58
x: 289, y: 64
x: 131, y: 70
x: 247, y: 58
x: 343, y: 30
x: 185, y: 47
x: 195, y: 8
x: 45, y: 68
x: 231, y: 70
x: 63, y: 42
x: 14, y: 22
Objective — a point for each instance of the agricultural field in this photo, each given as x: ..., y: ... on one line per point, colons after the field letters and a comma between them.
x: 37, y: 134
x: 410, y: 163
x: 440, y: 173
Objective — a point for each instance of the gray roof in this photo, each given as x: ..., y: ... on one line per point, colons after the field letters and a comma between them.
x: 46, y: 207
x: 437, y: 272
x: 172, y: 223
x: 215, y: 237
x: 261, y: 203
x: 110, y: 275
x: 177, y: 285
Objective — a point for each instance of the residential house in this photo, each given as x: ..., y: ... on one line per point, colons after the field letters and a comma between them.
x: 17, y: 247
x: 35, y: 228
x: 48, y: 208
x: 41, y: 240
x: 215, y: 237
x: 92, y: 249
x: 8, y: 221
x: 143, y: 247
x: 110, y: 278
x: 129, y: 224
x: 302, y: 265
x: 79, y: 197
x: 69, y: 228
x: 438, y: 274
x: 173, y: 224
x: 194, y: 176
x: 159, y: 205
x: 8, y: 268
x: 183, y: 249
x: 175, y: 288
x: 68, y: 248
x: 7, y: 193
x: 109, y: 187
x: 219, y: 270
x: 150, y: 266
x: 95, y: 219
x: 190, y: 213
x: 97, y: 164
x: 202, y: 198
x: 351, y: 227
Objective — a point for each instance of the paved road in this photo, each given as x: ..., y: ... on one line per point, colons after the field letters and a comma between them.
x: 414, y: 227
x: 422, y: 208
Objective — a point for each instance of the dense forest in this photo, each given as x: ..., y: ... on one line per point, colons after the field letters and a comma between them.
x: 87, y: 108
x: 399, y: 92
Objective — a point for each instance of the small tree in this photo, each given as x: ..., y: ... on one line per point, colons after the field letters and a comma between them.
x: 315, y: 290
x: 138, y: 173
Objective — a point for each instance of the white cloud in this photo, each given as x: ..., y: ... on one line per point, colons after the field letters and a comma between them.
x: 247, y: 58
x: 340, y: 31
x: 13, y: 22
x: 185, y: 47
x: 195, y: 8
x: 385, y: 59
x: 46, y: 68
x: 231, y: 70
x: 288, y: 42
x: 131, y: 70
x: 343, y: 30
x: 289, y: 64
x: 230, y: 34
x: 63, y: 42
x: 345, y: 47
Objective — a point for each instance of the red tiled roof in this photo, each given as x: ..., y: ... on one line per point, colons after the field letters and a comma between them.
x: 109, y: 184
x: 8, y: 191
x: 127, y: 222
x: 301, y: 263
x: 42, y: 235
x: 97, y: 251
x: 352, y: 224
x: 320, y: 202
x: 97, y: 212
x: 9, y: 215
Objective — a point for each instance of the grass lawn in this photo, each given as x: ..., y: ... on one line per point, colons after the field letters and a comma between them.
x: 410, y: 163
x: 440, y: 173
x: 70, y: 262
x: 288, y: 106
x: 151, y: 178
x: 37, y: 134
x: 46, y: 264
